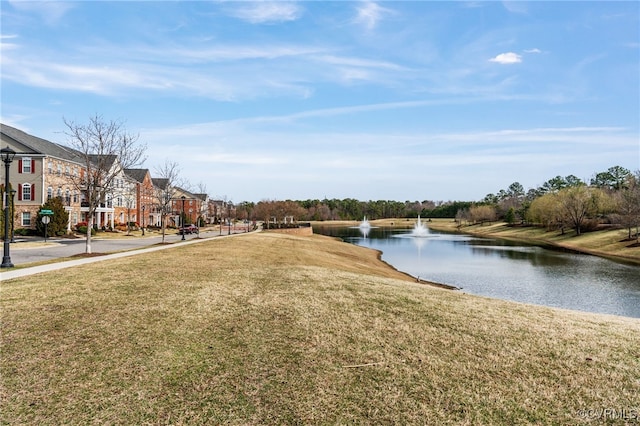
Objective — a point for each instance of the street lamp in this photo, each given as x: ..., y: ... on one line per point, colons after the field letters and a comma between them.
x: 13, y: 208
x: 183, y: 197
x: 143, y: 220
x: 7, y: 157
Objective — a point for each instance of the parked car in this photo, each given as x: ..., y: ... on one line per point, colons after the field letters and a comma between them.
x: 188, y: 229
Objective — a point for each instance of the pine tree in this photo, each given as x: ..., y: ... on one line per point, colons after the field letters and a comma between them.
x: 59, y: 220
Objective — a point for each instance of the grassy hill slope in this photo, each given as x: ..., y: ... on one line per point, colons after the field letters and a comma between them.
x: 278, y: 329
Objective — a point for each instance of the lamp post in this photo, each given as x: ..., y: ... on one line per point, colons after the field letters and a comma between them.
x: 143, y: 220
x: 13, y: 208
x: 7, y: 157
x: 182, y: 218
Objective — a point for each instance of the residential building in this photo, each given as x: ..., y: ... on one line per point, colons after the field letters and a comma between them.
x: 187, y: 202
x: 144, y: 194
x: 41, y: 170
x: 161, y: 201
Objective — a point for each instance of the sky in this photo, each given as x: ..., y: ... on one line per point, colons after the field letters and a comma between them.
x: 372, y: 100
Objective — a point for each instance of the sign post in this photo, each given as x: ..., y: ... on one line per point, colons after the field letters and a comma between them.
x: 45, y: 220
x: 45, y: 213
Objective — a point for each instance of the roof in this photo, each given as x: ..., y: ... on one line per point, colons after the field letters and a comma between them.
x: 161, y: 183
x: 136, y: 174
x: 36, y: 145
x: 103, y: 160
x: 186, y: 193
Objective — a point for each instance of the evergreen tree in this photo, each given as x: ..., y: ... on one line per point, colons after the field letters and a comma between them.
x: 510, y: 216
x: 59, y: 220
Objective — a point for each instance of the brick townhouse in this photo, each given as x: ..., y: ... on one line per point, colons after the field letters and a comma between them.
x: 193, y: 205
x: 42, y: 169
x: 39, y: 171
x: 145, y: 194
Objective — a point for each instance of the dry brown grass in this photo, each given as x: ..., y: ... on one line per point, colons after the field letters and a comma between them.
x: 279, y: 329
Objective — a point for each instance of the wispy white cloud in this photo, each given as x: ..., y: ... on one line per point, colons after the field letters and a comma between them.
x: 224, y: 53
x: 359, y: 62
x: 515, y: 6
x: 361, y: 157
x: 534, y: 50
x: 370, y: 13
x: 507, y: 58
x: 4, y: 45
x: 266, y: 12
x: 51, y: 12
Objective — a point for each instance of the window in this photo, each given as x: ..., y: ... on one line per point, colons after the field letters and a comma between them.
x: 26, y: 218
x: 75, y: 218
x: 67, y: 197
x: 75, y: 197
x: 50, y: 167
x: 67, y: 170
x: 26, y: 192
x: 26, y: 165
x: 59, y: 169
x: 59, y: 192
x: 49, y: 193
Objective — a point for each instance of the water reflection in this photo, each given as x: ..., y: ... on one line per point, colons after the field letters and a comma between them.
x: 507, y: 270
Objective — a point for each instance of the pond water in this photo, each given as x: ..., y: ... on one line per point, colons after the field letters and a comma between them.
x: 505, y: 270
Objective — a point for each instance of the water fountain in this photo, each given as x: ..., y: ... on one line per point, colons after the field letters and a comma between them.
x: 419, y: 230
x: 365, y: 224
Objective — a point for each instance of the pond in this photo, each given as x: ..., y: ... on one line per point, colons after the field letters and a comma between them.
x: 504, y: 269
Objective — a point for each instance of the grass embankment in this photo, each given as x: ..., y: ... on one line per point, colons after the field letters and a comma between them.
x: 607, y: 243
x: 280, y: 329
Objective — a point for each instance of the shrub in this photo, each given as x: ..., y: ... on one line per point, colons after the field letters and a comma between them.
x: 83, y: 230
x: 24, y: 231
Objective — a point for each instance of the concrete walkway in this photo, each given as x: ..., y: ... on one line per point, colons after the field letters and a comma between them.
x: 23, y: 272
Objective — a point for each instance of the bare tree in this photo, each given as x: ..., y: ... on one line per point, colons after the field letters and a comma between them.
x: 169, y: 178
x: 106, y: 149
x: 628, y: 203
x: 203, y: 205
x: 580, y: 203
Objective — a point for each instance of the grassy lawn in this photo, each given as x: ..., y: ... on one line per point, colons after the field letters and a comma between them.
x: 278, y: 329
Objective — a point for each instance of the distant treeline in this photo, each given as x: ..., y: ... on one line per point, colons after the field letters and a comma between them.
x: 612, y: 197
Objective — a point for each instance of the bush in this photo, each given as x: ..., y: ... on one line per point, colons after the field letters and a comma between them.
x: 590, y: 225
x: 24, y: 231
x: 83, y: 230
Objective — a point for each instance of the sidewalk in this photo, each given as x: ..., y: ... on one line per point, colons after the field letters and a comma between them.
x: 23, y: 272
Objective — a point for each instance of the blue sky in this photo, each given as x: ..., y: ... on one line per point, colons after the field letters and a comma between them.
x: 369, y: 100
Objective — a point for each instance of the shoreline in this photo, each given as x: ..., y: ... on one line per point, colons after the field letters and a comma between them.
x: 417, y: 279
x: 570, y: 242
x: 612, y: 240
